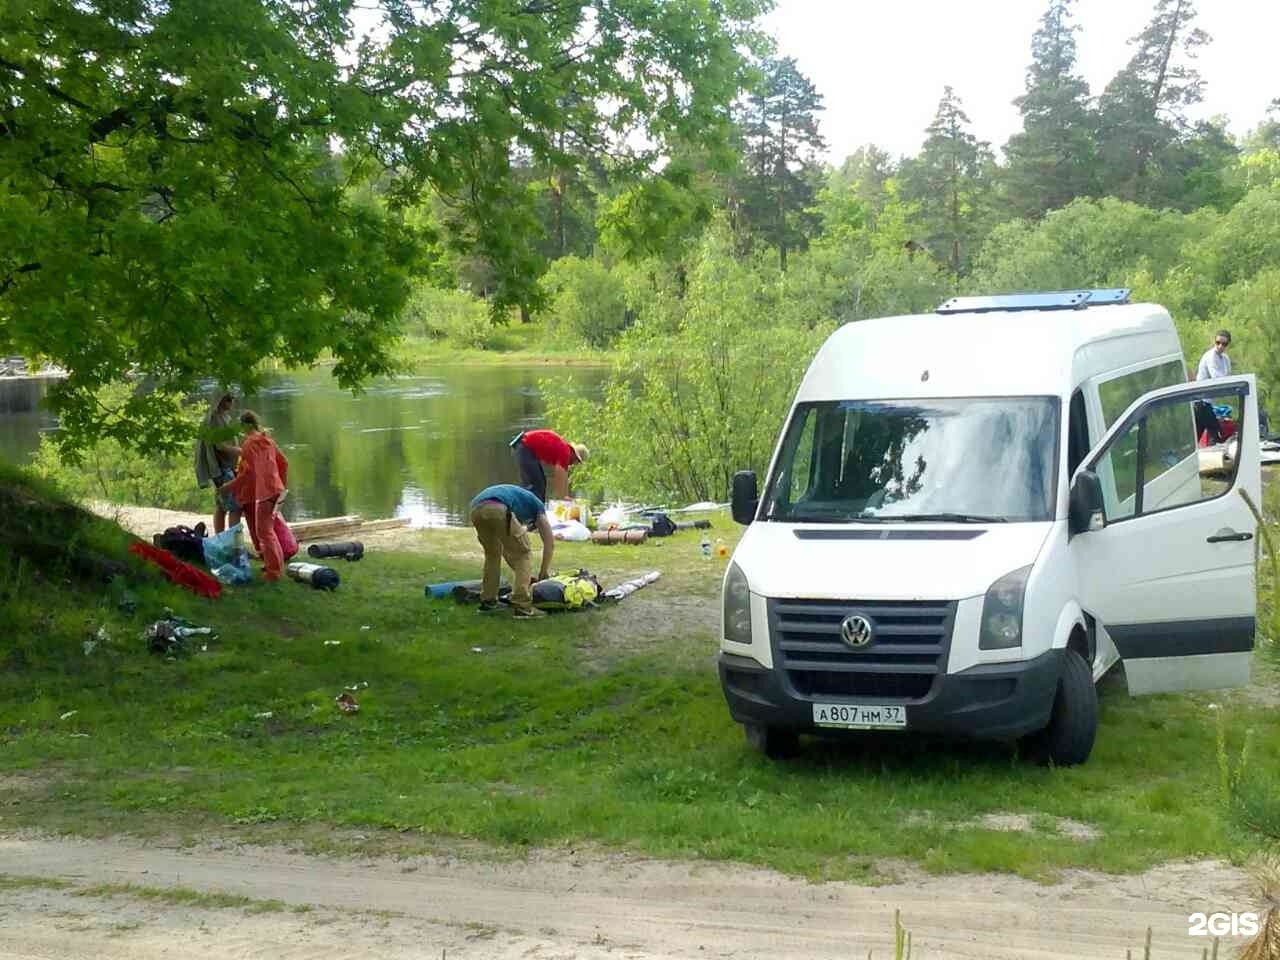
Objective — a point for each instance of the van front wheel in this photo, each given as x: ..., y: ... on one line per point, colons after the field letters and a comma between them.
x: 1073, y: 724
x: 774, y: 743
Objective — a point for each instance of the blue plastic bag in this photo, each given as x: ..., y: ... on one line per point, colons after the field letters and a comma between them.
x: 226, y: 556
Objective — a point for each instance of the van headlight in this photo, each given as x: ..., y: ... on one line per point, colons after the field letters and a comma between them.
x: 1002, y: 612
x: 737, y: 606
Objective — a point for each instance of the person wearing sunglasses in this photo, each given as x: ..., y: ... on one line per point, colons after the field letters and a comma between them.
x: 1215, y: 362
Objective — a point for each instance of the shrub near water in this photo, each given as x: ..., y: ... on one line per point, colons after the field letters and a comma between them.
x: 699, y: 388
x: 110, y: 471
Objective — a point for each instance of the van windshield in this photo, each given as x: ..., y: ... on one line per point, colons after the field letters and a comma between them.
x: 964, y: 460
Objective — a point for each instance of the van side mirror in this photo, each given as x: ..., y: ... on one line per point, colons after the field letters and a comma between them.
x: 746, y: 496
x: 1084, y: 504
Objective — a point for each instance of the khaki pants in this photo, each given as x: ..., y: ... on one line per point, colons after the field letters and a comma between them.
x: 503, y: 536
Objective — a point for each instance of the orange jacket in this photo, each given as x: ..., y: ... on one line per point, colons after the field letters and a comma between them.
x: 263, y: 471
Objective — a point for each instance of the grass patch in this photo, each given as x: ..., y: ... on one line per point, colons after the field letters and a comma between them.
x: 184, y: 897
x: 516, y: 343
x: 606, y: 727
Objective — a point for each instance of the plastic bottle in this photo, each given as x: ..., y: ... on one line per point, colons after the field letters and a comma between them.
x: 706, y: 546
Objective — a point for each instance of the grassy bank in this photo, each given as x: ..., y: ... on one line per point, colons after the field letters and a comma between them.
x: 515, y: 344
x: 605, y: 726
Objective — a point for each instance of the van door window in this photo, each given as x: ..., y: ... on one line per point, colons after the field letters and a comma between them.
x: 1117, y: 393
x: 1156, y: 464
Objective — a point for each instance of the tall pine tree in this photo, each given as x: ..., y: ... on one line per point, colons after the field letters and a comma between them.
x: 779, y: 122
x: 950, y: 180
x: 1052, y: 160
x: 1143, y: 109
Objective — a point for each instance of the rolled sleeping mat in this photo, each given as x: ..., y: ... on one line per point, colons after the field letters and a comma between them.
x: 619, y: 536
x: 438, y: 591
x: 347, y: 550
x: 321, y: 578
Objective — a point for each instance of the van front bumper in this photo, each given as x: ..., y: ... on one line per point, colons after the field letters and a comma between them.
x: 993, y: 701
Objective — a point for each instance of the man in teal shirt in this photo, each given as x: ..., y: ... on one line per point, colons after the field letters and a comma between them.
x: 501, y: 514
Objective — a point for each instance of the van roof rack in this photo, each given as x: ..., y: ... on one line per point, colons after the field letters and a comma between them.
x: 1057, y: 300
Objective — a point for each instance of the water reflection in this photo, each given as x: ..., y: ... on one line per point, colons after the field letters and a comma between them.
x: 21, y: 418
x: 416, y: 446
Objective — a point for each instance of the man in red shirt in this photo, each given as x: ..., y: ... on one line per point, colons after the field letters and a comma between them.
x: 542, y: 452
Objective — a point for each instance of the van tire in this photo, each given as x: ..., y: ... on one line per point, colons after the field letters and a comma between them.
x: 1073, y: 724
x: 772, y: 742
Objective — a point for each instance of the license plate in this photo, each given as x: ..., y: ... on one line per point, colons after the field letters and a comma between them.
x: 852, y: 716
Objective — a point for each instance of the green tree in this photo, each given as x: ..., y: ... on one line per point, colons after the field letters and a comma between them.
x: 1088, y: 243
x: 169, y: 196
x: 950, y: 181
x: 779, y: 121
x: 689, y: 402
x: 1053, y: 159
x: 1142, y: 112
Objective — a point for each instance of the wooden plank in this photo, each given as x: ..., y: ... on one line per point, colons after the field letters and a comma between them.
x: 391, y: 523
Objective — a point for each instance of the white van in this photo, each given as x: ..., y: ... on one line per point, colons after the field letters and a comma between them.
x: 972, y: 515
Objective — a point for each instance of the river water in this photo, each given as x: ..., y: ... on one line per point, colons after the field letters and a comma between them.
x: 416, y: 446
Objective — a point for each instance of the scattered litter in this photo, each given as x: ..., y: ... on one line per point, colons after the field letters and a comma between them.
x: 362, y: 685
x: 333, y: 643
x: 79, y: 736
x: 347, y: 703
x: 89, y: 646
x: 366, y: 627
x: 477, y: 649
x: 68, y: 715
x: 264, y: 715
x: 721, y: 550
x: 169, y: 636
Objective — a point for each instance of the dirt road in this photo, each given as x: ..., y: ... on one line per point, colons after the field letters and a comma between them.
x: 565, y: 906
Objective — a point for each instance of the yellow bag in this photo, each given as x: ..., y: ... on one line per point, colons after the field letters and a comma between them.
x: 562, y: 511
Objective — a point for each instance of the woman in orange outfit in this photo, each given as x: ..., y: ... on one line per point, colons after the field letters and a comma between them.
x: 261, y: 478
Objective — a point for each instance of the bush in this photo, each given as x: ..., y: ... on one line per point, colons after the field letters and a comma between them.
x: 1088, y: 243
x: 686, y: 407
x: 452, y: 315
x: 588, y: 301
x: 125, y: 475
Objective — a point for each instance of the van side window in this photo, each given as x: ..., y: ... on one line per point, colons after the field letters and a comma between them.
x: 1117, y: 393
x: 1077, y: 432
x: 1155, y: 464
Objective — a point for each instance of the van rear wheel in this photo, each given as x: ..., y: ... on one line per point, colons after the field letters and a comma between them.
x: 1073, y: 724
x: 774, y: 743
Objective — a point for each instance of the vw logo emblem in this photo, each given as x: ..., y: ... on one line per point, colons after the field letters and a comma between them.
x: 855, y: 631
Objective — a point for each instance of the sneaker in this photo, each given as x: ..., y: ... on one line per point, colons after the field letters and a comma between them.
x: 527, y: 613
x: 488, y: 606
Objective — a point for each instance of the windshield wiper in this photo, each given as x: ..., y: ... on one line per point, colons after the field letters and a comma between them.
x: 833, y: 516
x: 945, y: 518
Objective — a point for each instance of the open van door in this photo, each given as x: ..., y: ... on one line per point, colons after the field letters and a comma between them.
x: 1162, y: 541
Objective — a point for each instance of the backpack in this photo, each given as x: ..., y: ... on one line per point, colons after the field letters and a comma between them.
x: 660, y: 525
x: 570, y: 591
x: 183, y: 542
